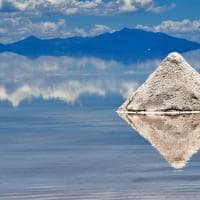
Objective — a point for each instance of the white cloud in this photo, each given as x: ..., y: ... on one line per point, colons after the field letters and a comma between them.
x: 189, y: 29
x: 20, y: 18
x: 98, y: 29
x: 133, y: 5
x: 68, y: 7
x: 14, y: 29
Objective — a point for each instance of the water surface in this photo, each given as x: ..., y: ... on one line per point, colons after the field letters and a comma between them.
x: 60, y: 137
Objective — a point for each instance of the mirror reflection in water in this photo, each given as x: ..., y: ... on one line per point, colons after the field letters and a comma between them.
x: 176, y: 137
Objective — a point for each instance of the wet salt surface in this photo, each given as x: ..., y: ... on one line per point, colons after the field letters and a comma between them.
x: 58, y: 152
x: 60, y: 137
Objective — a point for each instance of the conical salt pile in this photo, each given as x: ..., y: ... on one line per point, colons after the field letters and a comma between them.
x: 174, y: 86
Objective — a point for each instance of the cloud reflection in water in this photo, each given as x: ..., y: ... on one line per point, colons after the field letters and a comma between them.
x: 62, y: 78
x: 68, y: 78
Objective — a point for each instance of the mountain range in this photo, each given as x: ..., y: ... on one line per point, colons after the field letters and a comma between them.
x: 124, y: 45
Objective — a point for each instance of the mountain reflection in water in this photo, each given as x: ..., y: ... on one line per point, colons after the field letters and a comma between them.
x: 70, y: 78
x: 63, y: 139
x: 176, y: 137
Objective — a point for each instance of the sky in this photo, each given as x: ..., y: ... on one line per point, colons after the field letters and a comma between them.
x: 66, y: 18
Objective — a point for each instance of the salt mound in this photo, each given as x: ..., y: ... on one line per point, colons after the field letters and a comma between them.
x: 174, y: 86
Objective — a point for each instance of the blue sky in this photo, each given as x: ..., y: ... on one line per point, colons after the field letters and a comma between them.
x: 66, y: 18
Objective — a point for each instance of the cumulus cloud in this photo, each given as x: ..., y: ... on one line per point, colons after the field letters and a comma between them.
x: 99, y: 29
x: 133, y: 5
x: 21, y: 18
x: 16, y: 28
x: 189, y: 29
x: 146, y: 5
x: 69, y: 7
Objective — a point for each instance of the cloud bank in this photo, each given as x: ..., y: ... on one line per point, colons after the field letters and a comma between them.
x: 16, y: 28
x: 188, y: 29
x: 48, y: 18
x: 70, y: 7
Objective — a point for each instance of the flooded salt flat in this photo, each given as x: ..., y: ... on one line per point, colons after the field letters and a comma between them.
x: 60, y: 137
x: 53, y: 152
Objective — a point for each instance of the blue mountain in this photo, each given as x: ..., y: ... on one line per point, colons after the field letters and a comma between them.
x: 124, y: 45
x: 2, y: 47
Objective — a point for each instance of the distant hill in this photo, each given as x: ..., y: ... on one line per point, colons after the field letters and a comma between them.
x: 2, y: 47
x: 124, y: 45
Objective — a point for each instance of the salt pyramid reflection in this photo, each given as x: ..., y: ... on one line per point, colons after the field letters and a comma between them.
x: 176, y: 137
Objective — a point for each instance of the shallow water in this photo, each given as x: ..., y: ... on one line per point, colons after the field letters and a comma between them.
x: 91, y: 153
x: 57, y: 145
